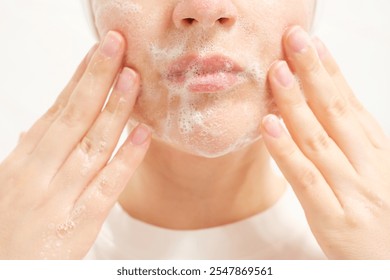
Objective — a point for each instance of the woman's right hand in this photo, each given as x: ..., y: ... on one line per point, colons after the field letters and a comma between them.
x: 58, y: 185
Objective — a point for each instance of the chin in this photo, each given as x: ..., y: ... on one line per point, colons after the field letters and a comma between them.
x: 208, y: 144
x: 205, y: 125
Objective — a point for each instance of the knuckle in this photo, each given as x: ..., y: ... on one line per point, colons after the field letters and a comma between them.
x: 308, y: 178
x: 106, y: 188
x: 294, y: 101
x: 318, y: 141
x: 337, y: 107
x: 100, y: 67
x: 72, y: 115
x: 356, y: 104
x: 123, y: 106
x: 91, y: 147
x: 53, y: 111
x: 288, y: 152
x: 334, y: 70
x: 110, y: 107
x: 86, y: 145
x: 117, y: 105
x: 312, y: 64
x: 127, y: 160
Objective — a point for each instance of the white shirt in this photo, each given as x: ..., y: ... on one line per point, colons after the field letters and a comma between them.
x: 281, y: 232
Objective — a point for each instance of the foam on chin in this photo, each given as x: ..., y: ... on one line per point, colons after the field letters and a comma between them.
x: 203, y: 124
x: 209, y: 124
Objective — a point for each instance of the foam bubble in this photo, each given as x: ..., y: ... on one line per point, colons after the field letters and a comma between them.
x: 206, y: 124
x: 195, y: 122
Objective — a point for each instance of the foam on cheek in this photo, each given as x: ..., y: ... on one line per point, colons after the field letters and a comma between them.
x: 115, y: 14
x: 127, y: 7
x: 208, y: 125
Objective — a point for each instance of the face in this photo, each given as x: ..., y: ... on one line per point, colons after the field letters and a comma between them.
x: 203, y: 65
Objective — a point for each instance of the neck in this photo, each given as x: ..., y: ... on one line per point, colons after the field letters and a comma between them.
x: 172, y: 189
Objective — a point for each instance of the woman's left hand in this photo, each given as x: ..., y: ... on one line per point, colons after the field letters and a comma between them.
x: 336, y: 156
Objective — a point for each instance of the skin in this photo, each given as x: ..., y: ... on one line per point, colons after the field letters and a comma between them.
x: 342, y: 184
x: 158, y: 34
x: 337, y: 158
x: 57, y: 214
x: 174, y: 180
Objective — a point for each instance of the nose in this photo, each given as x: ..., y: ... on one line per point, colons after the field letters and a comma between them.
x: 204, y: 13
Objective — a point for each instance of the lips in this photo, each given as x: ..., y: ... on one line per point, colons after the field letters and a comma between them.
x: 204, y: 75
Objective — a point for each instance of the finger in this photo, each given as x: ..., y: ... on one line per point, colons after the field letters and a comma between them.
x: 30, y: 138
x: 372, y: 128
x: 329, y: 106
x: 21, y: 136
x: 103, y: 192
x: 84, y: 105
x: 307, y: 132
x: 79, y: 74
x: 312, y: 190
x: 95, y: 149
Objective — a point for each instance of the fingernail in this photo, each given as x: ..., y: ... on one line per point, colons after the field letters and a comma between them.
x: 125, y: 80
x: 320, y: 47
x: 140, y: 135
x: 283, y: 75
x: 298, y: 40
x: 272, y: 126
x: 111, y: 44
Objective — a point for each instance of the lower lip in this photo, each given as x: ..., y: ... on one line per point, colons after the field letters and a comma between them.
x: 212, y: 83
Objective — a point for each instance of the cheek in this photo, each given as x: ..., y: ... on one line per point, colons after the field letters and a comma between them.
x: 139, y: 31
x: 130, y: 19
x: 204, y: 126
x: 267, y: 24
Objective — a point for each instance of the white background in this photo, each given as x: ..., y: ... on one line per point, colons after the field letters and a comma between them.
x: 42, y: 42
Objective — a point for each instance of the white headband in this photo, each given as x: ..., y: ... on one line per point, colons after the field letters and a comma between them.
x: 86, y: 4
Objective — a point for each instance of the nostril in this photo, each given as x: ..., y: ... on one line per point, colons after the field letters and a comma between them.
x: 188, y: 21
x: 227, y: 21
x: 204, y: 14
x: 223, y: 20
x: 191, y: 21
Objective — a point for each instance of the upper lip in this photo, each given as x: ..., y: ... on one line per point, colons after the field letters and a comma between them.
x: 201, y: 66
